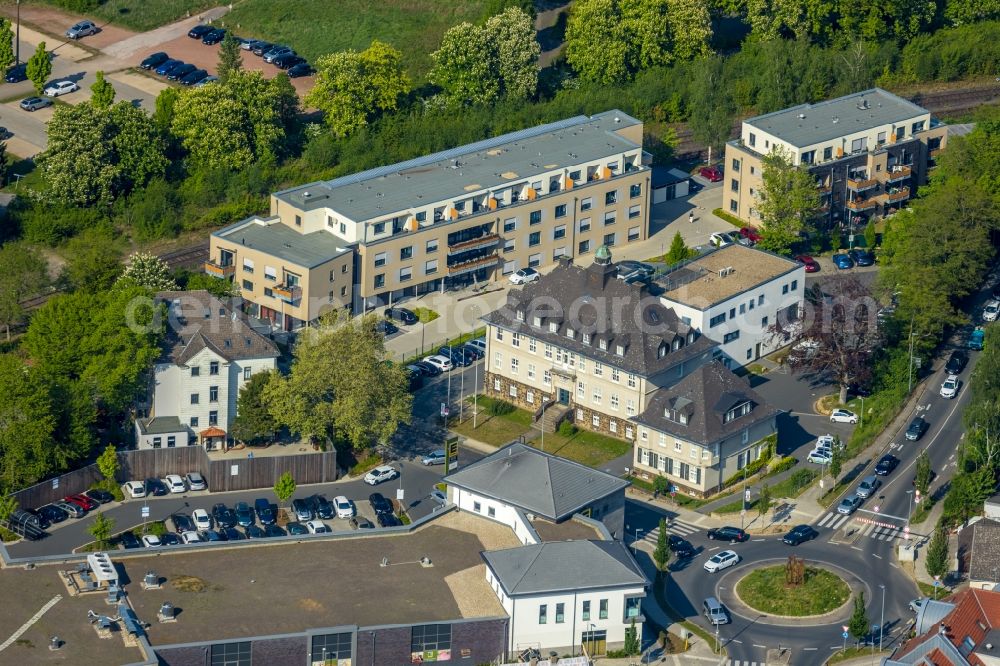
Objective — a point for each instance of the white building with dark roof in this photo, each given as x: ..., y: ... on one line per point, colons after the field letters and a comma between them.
x: 209, y: 352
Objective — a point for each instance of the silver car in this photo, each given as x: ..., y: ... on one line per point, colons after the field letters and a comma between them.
x: 82, y: 29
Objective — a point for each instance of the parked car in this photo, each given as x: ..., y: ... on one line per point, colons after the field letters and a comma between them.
x: 276, y: 52
x: 299, y: 70
x: 182, y: 523
x: 629, y: 267
x: 428, y: 369
x: 387, y: 520
x: 402, y: 315
x: 680, y: 546
x: 868, y: 486
x: 861, y: 257
x: 195, y: 481
x: 843, y: 416
x: 179, y: 72
x: 345, y: 507
x: 129, y: 540
x: 916, y: 429
x: 82, y: 501
x: 214, y: 536
x: 74, y: 510
x: 287, y: 61
x: 842, y: 261
x: 52, y: 514
x: 175, y: 483
x: 949, y: 388
x: 820, y: 456
x: 135, y: 489
x: 261, y: 47
x: 151, y: 541
x: 438, y: 496
x: 886, y: 464
x: 248, y: 44
x: 214, y: 37
x: 956, y: 362
x: 202, y: 520
x: 274, y: 531
x: 917, y: 604
x: 154, y: 60
x: 360, y: 523
x: 170, y: 539
x: 60, y: 88
x: 379, y: 503
x: 800, y: 534
x: 317, y: 527
x: 302, y: 509
x: 751, y: 234
x: 825, y: 442
x: 436, y: 457
x: 721, y: 560
x: 166, y: 66
x: 385, y: 327
x: 712, y: 174
x: 990, y: 312
x: 976, y: 339
x: 849, y: 505
x: 524, y: 276
x: 265, y: 511
x: 244, y: 514
x: 194, y: 77
x: 296, y: 528
x: 380, y: 474
x: 233, y: 534
x: 727, y: 533
x: 457, y: 357
x: 191, y: 536
x: 254, y: 532
x: 322, y: 507
x: 156, y: 487
x: 206, y: 81
x: 721, y: 239
x: 35, y: 103
x: 200, y: 31
x: 100, y: 496
x: 224, y: 516
x: 16, y: 74
x: 82, y: 29
x: 479, y: 343
x: 442, y: 363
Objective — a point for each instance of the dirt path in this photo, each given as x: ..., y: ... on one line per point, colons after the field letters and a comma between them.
x: 550, y: 27
x: 55, y: 22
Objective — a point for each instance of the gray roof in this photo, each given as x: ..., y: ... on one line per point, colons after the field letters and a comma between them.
x: 537, y: 482
x: 198, y: 320
x: 960, y: 129
x: 160, y: 425
x: 984, y: 555
x: 279, y: 240
x: 453, y: 173
x: 834, y: 118
x: 705, y: 396
x: 556, y: 566
x: 592, y: 300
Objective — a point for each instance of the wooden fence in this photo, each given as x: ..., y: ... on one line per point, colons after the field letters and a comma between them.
x: 245, y: 473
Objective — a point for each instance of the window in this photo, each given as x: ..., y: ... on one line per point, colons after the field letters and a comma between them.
x: 534, y: 260
x: 609, y: 239
x: 432, y: 246
x: 157, y: 442
x: 534, y: 239
x: 491, y: 511
x: 734, y: 185
x: 595, y: 420
x: 633, y: 234
x: 515, y: 339
x: 233, y: 654
x: 735, y: 165
x: 535, y: 217
x: 497, y: 359
x: 405, y: 274
x: 326, y: 647
x: 630, y: 380
x: 496, y: 384
x: 587, y: 204
x: 431, y: 267
x: 729, y: 337
x: 609, y: 218
x: 514, y: 365
x: 585, y: 615
x: 195, y: 371
x: 611, y: 197
x: 213, y: 394
x: 733, y: 206
x: 213, y: 368
x: 598, y: 369
x: 738, y: 411
x: 378, y: 228
x: 559, y: 232
x: 917, y: 127
x: 634, y: 212
x: 561, y: 210
x: 795, y: 285
x: 194, y: 421
x: 477, y: 507
x: 753, y: 139
x: 558, y: 252
x: 298, y: 220
x: 581, y: 390
x: 602, y: 613
x: 213, y: 418
x: 630, y: 407
x: 548, y: 351
x: 513, y: 391
x: 380, y: 259
x: 716, y: 320
x: 560, y: 613
x: 596, y: 398
x: 425, y: 637
x: 532, y: 345
x: 584, y: 224
x: 784, y: 289
x: 858, y: 145
x: 827, y: 153
x: 614, y: 401
x: 406, y: 253
x: 760, y: 300
x: 634, y: 191
x: 808, y: 157
x: 380, y: 280
x: 194, y: 399
x: 531, y: 371
x: 743, y: 308
x: 543, y: 614
x: 547, y: 378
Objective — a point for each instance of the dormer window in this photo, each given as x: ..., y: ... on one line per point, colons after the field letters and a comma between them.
x: 586, y: 338
x: 554, y: 326
x: 662, y: 351
x: 691, y: 337
x: 620, y: 350
x: 520, y: 315
x: 675, y: 416
x: 739, y: 410
x: 570, y: 333
x: 677, y: 344
x: 603, y: 344
x: 536, y: 321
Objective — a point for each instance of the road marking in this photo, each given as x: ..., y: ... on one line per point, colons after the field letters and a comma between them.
x: 760, y: 539
x: 713, y: 548
x: 855, y: 548
x: 27, y: 625
x: 893, y: 565
x: 878, y: 556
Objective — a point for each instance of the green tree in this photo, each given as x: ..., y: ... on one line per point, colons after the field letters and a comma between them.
x: 871, y: 236
x: 690, y: 25
x: 922, y: 474
x: 858, y: 624
x: 230, y: 59
x: 8, y: 505
x: 632, y: 645
x: 836, y: 459
x: 101, y: 529
x: 609, y: 40
x: 147, y: 271
x: 772, y: 19
x: 787, y: 202
x: 480, y: 65
x: 711, y: 107
x: 39, y: 67
x: 163, y: 116
x: 354, y: 88
x: 6, y: 45
x: 108, y: 463
x: 4, y: 162
x: 662, y: 553
x: 216, y: 286
x: 937, y: 554
x: 764, y: 500
x: 254, y: 422
x: 965, y: 12
x: 340, y: 386
x: 29, y: 422
x: 678, y: 251
x: 285, y: 487
x: 102, y: 93
x: 93, y: 260
x: 23, y: 273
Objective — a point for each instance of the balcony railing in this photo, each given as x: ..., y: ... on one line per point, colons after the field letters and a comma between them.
x: 482, y: 241
x: 287, y: 293
x: 858, y: 205
x: 861, y: 184
x: 473, y: 264
x: 897, y: 173
x: 220, y: 270
x: 902, y: 194
x: 823, y: 188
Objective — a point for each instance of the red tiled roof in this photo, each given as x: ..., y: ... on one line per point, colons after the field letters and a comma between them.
x: 213, y: 432
x: 937, y: 658
x: 975, y: 613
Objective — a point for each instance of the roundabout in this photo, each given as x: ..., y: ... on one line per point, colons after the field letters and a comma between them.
x: 780, y: 590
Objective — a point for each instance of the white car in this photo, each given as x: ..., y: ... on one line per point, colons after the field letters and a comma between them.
x: 820, y: 456
x: 439, y: 497
x: 524, y: 276
x: 442, y: 363
x: 479, y: 344
x: 917, y: 604
x: 824, y: 442
x: 175, y: 483
x: 722, y: 560
x: 195, y: 481
x: 151, y: 541
x: 436, y: 457
x: 990, y: 312
x: 61, y: 88
x: 721, y: 239
x: 949, y: 389
x: 191, y: 537
x: 202, y: 520
x: 380, y: 474
x: 344, y: 506
x: 317, y: 527
x: 135, y: 489
x: 843, y: 416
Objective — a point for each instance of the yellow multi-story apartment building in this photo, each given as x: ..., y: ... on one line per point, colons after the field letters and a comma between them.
x: 868, y: 151
x: 463, y: 216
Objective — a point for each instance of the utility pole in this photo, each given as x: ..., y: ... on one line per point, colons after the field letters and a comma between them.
x: 17, y: 37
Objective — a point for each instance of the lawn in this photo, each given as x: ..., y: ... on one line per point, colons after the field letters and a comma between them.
x: 316, y: 27
x: 765, y: 590
x: 589, y: 448
x: 142, y: 15
x: 495, y: 430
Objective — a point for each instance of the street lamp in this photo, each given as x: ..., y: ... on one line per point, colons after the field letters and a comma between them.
x: 909, y: 511
x: 635, y: 541
x: 881, y: 626
x: 17, y: 38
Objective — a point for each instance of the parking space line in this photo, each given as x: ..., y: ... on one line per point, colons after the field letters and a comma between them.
x: 855, y: 548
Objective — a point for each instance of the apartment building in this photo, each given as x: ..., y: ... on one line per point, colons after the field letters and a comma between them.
x: 209, y: 353
x: 462, y: 216
x: 869, y: 151
x: 588, y: 346
x: 734, y: 295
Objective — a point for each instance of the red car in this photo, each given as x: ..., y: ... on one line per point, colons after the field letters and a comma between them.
x: 811, y: 264
x: 81, y: 501
x: 712, y: 174
x: 751, y: 234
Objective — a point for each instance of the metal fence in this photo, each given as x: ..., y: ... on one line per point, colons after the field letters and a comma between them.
x: 428, y: 348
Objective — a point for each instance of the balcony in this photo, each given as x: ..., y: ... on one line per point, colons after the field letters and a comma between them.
x: 896, y: 174
x: 859, y: 205
x: 220, y: 270
x: 474, y: 264
x: 861, y: 184
x: 288, y: 293
x: 896, y: 195
x: 472, y: 244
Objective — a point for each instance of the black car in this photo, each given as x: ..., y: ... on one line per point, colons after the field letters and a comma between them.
x: 799, y: 534
x: 916, y: 430
x: 180, y: 71
x: 886, y: 465
x: 732, y: 534
x: 182, y: 523
x: 254, y: 532
x: 679, y: 546
x: 154, y: 60
x: 265, y: 511
x: 301, y: 69
x: 387, y: 520
x: 321, y: 506
x: 170, y: 539
x: 956, y: 363
x: 244, y: 514
x: 402, y: 315
x: 457, y: 355
x: 415, y: 377
x: 428, y: 369
x: 472, y: 351
x: 233, y: 534
x: 199, y: 31
x: 214, y: 37
x: 214, y: 536
x: 129, y: 540
x: 100, y: 496
x: 379, y: 503
x: 43, y: 521
x: 194, y: 77
x: 360, y: 523
x: 156, y: 487
x: 260, y: 48
x: 385, y: 327
x: 224, y: 516
x: 16, y: 74
x: 296, y: 528
x: 862, y: 257
x: 288, y: 60
x: 628, y: 267
x: 274, y: 531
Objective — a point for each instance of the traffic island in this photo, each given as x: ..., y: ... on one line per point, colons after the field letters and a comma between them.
x: 780, y: 590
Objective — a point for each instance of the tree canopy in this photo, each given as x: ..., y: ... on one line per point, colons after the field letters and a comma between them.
x: 102, y: 93
x: 788, y: 200
x: 254, y: 422
x: 23, y: 273
x: 147, y: 271
x: 39, y: 67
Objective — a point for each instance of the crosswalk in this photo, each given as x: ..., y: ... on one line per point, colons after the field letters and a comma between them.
x: 835, y: 521
x: 743, y: 662
x: 673, y: 527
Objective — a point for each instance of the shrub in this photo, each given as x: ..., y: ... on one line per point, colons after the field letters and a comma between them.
x: 567, y: 429
x: 500, y: 408
x: 782, y: 465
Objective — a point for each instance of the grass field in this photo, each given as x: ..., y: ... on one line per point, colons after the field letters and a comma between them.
x: 142, y: 15
x: 316, y: 27
x: 764, y: 590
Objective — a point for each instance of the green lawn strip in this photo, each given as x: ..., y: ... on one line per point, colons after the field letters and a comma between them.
x: 765, y: 590
x: 923, y: 510
x: 589, y: 448
x: 856, y: 653
x: 425, y: 315
x: 731, y: 219
x: 142, y: 15
x: 791, y: 487
x: 830, y: 495
x: 681, y: 499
